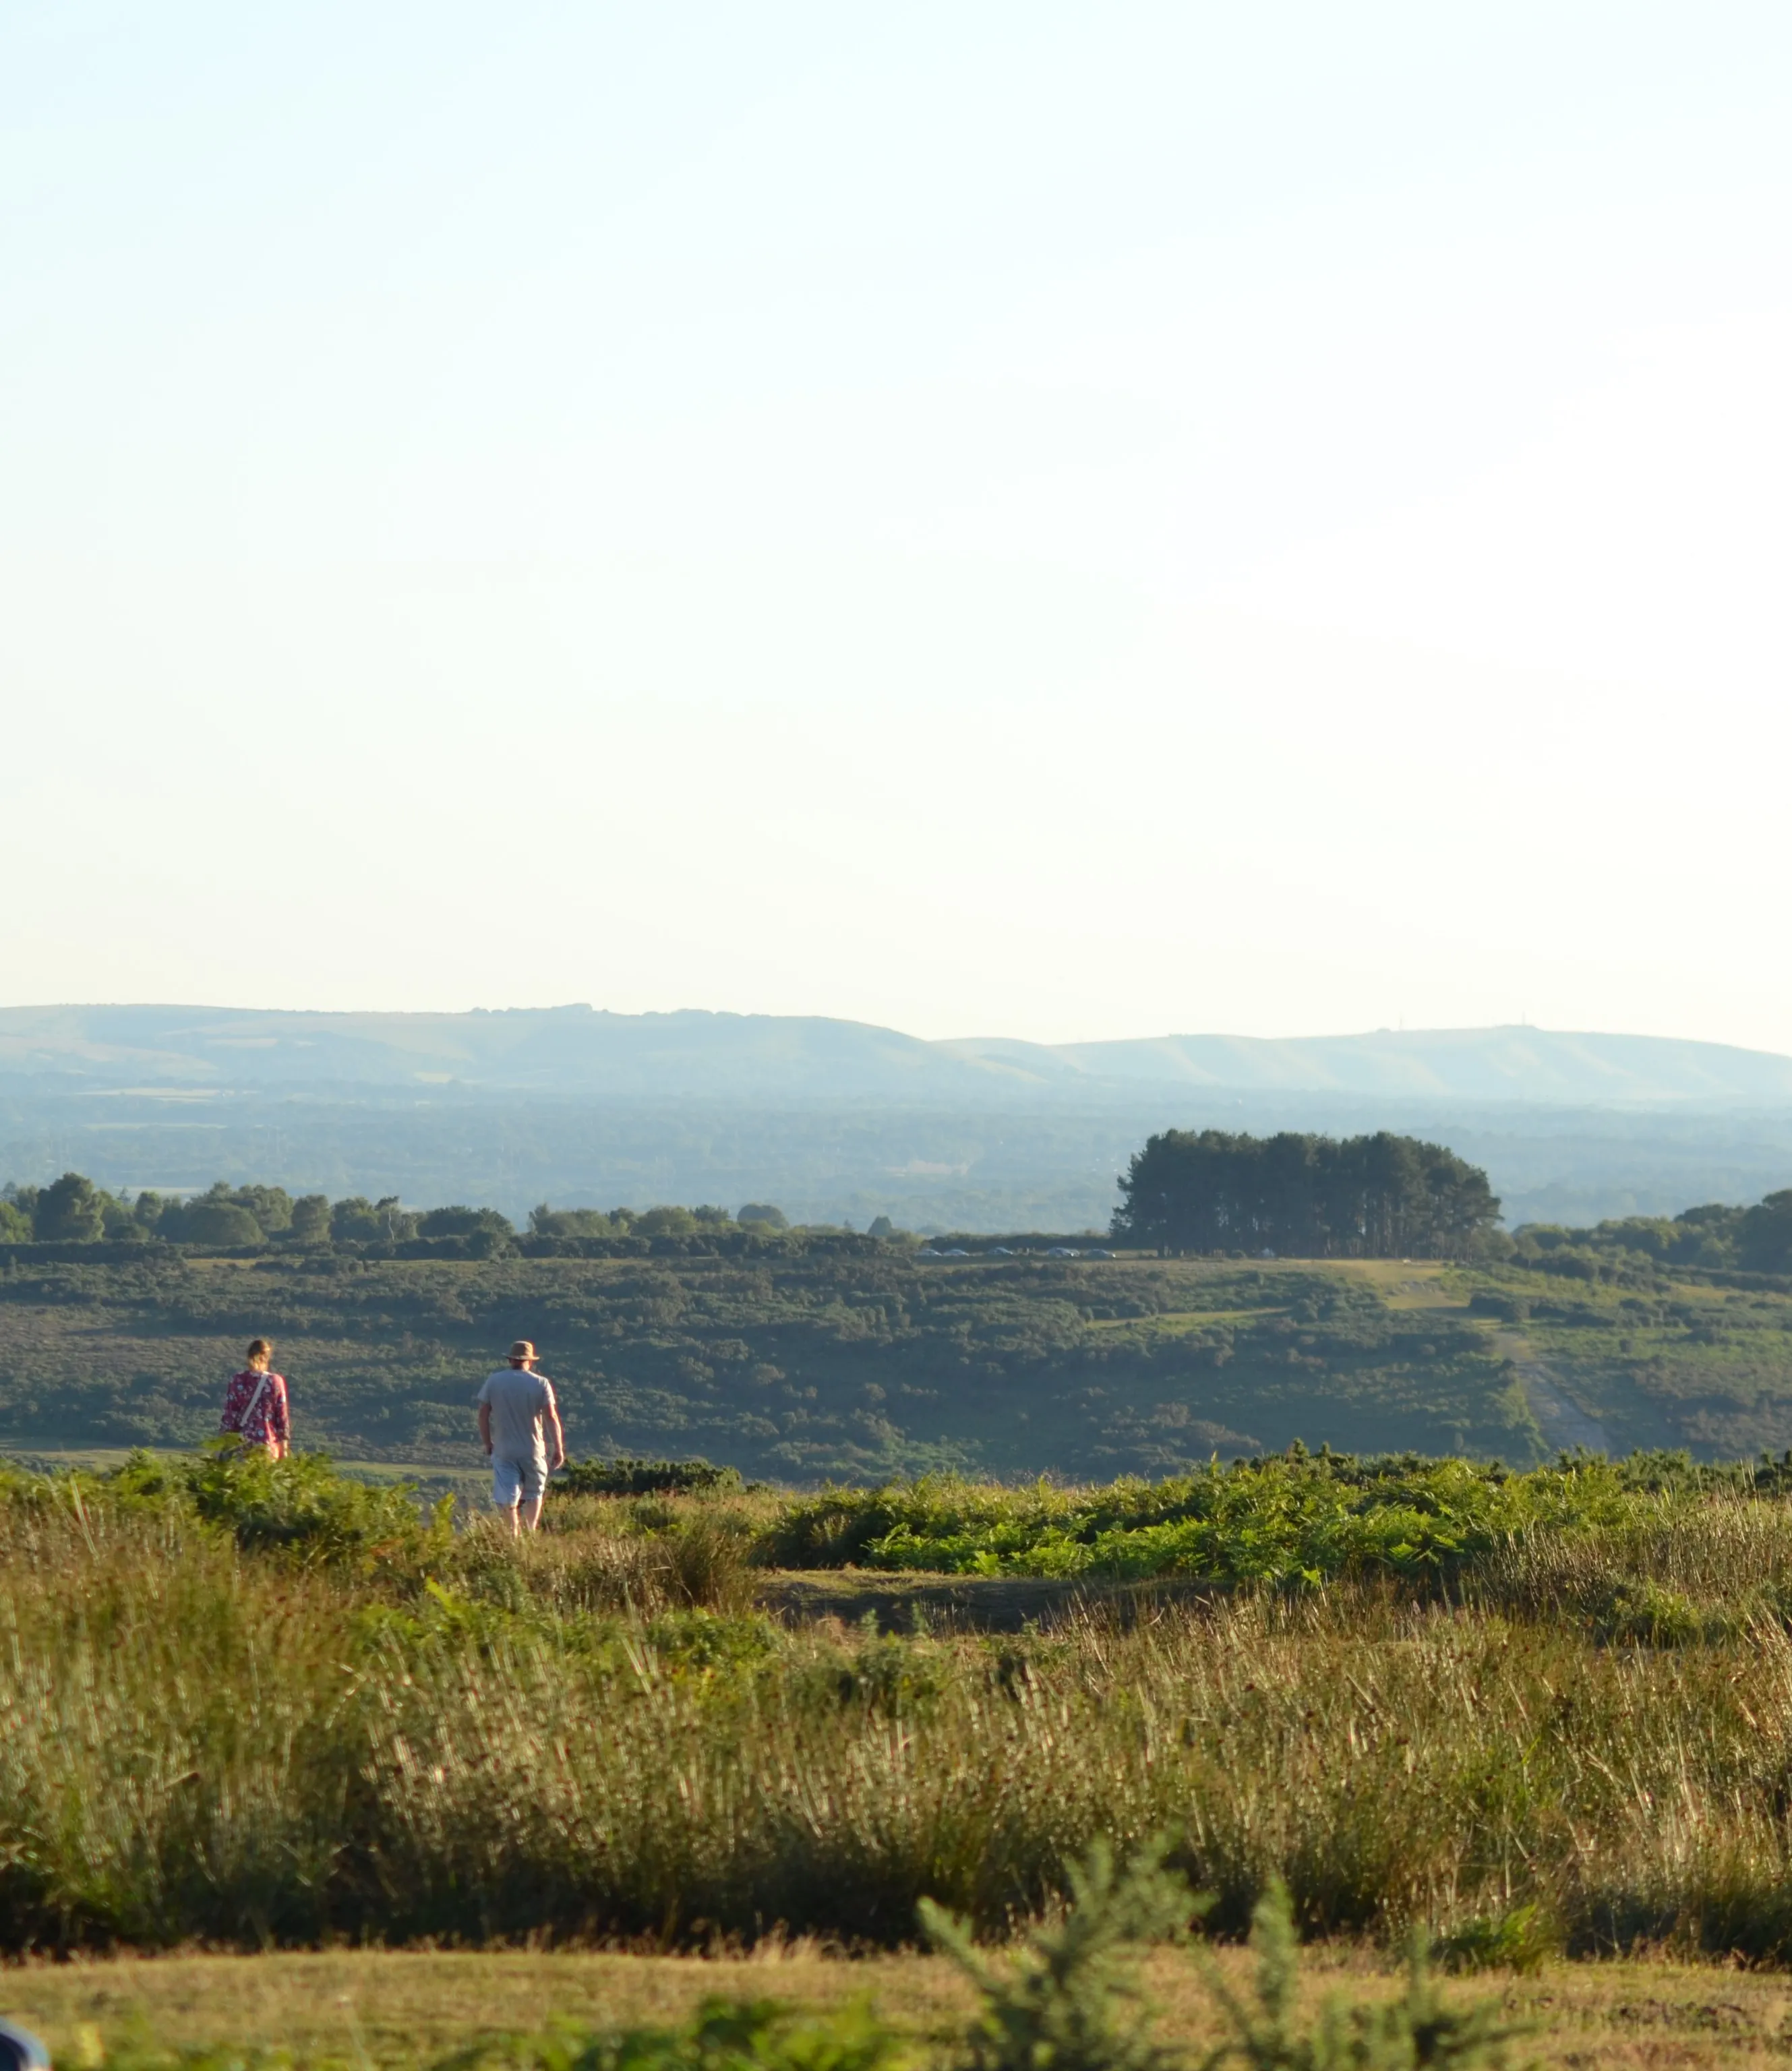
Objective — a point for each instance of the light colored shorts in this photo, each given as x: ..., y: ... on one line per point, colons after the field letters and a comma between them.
x: 517, y: 1480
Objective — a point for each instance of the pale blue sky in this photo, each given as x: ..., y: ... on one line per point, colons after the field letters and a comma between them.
x: 1058, y: 520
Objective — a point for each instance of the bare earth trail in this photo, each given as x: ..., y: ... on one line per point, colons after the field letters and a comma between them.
x: 1565, y: 1424
x: 1406, y: 1284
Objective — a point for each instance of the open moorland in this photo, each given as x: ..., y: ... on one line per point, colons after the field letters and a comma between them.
x: 713, y: 1735
x: 803, y: 1360
x: 845, y: 1360
x: 244, y: 1706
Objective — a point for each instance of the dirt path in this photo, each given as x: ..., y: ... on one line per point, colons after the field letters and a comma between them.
x: 1565, y: 1424
x: 969, y: 1603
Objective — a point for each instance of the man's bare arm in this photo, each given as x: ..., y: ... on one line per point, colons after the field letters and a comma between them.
x: 560, y: 1435
x: 485, y: 1425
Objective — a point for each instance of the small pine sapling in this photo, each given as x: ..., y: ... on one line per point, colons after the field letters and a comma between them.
x: 1409, y: 2033
x: 1065, y: 2003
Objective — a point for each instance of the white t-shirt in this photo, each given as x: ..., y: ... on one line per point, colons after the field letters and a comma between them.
x: 519, y: 1402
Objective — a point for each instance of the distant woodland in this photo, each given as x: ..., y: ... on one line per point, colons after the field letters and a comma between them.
x: 1186, y: 1193
x: 1299, y: 1196
x: 802, y: 1353
x: 74, y: 1210
x: 1716, y: 1238
x: 1380, y: 1196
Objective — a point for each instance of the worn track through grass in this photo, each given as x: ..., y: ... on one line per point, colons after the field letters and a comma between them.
x: 404, y: 2007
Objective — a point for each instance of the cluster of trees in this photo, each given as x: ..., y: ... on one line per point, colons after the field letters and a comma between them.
x: 1380, y: 1196
x: 1715, y: 1237
x: 74, y: 1210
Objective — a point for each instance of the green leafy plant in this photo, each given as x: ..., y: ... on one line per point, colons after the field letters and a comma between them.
x: 1519, y: 1939
x: 299, y: 1506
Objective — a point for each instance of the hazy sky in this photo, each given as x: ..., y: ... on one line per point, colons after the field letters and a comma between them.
x: 1055, y: 521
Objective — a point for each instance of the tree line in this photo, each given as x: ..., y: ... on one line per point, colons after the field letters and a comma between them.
x: 1302, y: 1197
x: 74, y: 1210
x: 1714, y: 1237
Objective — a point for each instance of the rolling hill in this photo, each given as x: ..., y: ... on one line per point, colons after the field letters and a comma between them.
x: 580, y: 1053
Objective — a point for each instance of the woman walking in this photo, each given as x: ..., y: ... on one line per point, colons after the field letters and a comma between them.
x: 255, y: 1405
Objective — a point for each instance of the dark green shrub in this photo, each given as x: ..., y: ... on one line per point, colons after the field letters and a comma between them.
x: 627, y: 1477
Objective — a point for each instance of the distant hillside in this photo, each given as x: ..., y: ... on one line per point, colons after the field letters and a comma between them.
x: 1536, y: 1066
x: 575, y: 1053
x: 834, y: 1119
x: 571, y: 1051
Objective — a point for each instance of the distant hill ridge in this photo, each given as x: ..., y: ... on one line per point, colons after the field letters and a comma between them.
x: 580, y: 1053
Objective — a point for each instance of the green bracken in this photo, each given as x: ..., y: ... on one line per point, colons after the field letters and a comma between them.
x: 1295, y: 1517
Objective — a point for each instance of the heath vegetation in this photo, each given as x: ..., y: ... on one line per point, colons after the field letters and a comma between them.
x: 251, y: 1704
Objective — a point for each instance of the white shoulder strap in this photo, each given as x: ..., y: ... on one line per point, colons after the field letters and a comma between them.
x: 248, y: 1409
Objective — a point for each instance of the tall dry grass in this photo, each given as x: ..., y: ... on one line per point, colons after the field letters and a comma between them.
x: 589, y: 1735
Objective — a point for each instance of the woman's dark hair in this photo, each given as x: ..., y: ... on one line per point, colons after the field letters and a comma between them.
x: 259, y: 1348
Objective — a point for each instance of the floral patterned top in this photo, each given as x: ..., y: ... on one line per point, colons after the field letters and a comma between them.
x: 268, y: 1420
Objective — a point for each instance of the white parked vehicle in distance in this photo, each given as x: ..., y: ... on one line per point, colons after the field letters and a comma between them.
x: 1063, y: 1251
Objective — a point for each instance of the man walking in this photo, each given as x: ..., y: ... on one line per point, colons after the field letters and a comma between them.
x: 517, y: 1411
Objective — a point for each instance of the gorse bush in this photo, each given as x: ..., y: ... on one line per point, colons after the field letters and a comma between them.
x: 1520, y: 1938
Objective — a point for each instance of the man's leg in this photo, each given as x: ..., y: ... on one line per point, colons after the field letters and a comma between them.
x: 533, y: 1489
x: 507, y: 1491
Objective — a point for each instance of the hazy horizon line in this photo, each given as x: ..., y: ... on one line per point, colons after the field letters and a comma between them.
x: 719, y: 1013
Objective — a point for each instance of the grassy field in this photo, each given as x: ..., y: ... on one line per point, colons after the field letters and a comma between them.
x: 398, y: 2008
